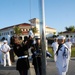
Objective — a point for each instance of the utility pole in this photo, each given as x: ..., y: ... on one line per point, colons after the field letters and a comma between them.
x: 42, y: 35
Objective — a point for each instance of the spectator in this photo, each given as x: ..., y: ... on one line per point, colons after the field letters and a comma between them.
x: 5, y: 49
x: 1, y: 54
x: 54, y: 48
x: 69, y: 45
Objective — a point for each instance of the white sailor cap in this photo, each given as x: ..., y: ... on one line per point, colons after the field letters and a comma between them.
x: 5, y: 41
x: 31, y: 33
x: 61, y: 37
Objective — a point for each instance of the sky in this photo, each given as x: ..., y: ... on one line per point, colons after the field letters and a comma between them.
x: 58, y: 13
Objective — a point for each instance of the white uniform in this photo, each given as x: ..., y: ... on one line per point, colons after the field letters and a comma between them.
x: 5, y: 48
x: 69, y: 44
x: 46, y: 45
x: 1, y: 55
x: 62, y: 60
x: 31, y: 33
x: 55, y: 47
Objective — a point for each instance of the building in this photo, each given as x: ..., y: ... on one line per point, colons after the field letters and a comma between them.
x: 8, y: 32
x: 69, y: 34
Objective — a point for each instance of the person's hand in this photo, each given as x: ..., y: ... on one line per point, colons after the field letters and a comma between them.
x: 32, y: 47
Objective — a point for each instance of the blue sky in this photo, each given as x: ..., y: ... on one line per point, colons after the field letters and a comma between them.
x: 58, y: 13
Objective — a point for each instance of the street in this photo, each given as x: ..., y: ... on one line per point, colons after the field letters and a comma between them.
x: 51, y: 68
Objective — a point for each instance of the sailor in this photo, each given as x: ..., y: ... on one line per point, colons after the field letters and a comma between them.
x: 62, y: 56
x: 35, y: 46
x: 69, y: 45
x: 35, y: 50
x: 5, y: 48
x: 36, y: 57
x: 54, y: 48
x: 1, y: 54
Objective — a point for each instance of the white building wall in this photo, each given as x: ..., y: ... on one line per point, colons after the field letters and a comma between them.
x: 6, y: 34
x: 69, y: 34
x: 34, y: 22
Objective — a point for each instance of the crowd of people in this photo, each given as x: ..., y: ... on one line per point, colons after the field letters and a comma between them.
x: 20, y: 48
x: 61, y: 49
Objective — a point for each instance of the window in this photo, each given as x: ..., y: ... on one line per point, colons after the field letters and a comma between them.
x: 21, y: 29
x: 67, y: 36
x: 8, y: 33
x: 71, y: 36
x: 11, y: 32
x: 24, y: 29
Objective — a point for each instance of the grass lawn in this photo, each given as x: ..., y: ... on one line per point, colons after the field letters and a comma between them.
x: 72, y: 52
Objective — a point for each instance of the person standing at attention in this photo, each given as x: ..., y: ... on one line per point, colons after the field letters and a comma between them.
x: 54, y: 48
x: 69, y: 45
x: 5, y: 49
x: 1, y: 59
x: 62, y: 56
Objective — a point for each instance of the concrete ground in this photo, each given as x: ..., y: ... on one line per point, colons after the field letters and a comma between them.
x: 51, y: 68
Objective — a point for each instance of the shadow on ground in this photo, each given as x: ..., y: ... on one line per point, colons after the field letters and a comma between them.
x: 7, y: 67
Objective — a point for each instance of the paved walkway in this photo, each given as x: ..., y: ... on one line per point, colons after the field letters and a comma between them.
x: 51, y: 68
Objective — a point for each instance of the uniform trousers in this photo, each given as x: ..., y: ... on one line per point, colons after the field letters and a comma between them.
x: 1, y: 58
x: 61, y: 73
x: 38, y: 70
x: 7, y: 57
x: 37, y: 65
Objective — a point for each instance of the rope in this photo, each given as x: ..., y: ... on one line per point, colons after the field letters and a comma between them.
x: 30, y: 6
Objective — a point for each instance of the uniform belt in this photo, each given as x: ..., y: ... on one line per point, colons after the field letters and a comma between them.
x: 23, y: 57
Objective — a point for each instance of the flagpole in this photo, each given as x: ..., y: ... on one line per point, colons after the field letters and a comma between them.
x: 42, y: 35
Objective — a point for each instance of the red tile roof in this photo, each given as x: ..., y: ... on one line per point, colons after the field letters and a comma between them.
x: 22, y: 24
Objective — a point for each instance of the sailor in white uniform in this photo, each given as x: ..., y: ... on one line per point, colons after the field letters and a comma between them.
x: 1, y: 59
x: 54, y: 48
x: 5, y: 49
x: 69, y: 45
x: 62, y: 56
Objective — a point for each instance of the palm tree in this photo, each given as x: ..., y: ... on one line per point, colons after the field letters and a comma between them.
x: 60, y: 32
x: 17, y: 30
x: 0, y: 34
x: 34, y: 30
x: 71, y: 28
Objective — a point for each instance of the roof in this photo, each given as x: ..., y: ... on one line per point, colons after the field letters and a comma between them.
x: 50, y: 28
x: 68, y: 32
x: 22, y: 24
